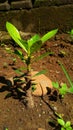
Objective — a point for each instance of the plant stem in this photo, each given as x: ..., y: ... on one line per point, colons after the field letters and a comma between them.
x: 30, y: 101
x: 28, y: 62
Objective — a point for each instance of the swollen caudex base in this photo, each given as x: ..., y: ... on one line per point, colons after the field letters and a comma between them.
x: 41, y: 82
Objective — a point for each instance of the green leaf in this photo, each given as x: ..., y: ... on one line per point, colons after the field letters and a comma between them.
x: 33, y: 87
x: 24, y: 45
x: 41, y: 72
x: 19, y: 53
x: 35, y: 47
x: 68, y: 123
x: 61, y: 122
x: 70, y: 90
x: 64, y: 86
x: 8, y: 49
x: 8, y: 95
x: 14, y: 60
x: 22, y: 68
x: 18, y: 71
x: 55, y: 85
x: 21, y: 90
x: 69, y: 128
x: 14, y: 33
x: 48, y: 35
x: 66, y: 74
x: 71, y: 32
x: 63, y: 128
x: 12, y: 30
x: 62, y: 91
x: 58, y: 115
x: 43, y: 55
x: 33, y: 40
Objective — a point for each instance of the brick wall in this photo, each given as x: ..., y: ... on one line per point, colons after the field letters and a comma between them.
x: 15, y: 4
x: 37, y: 15
x: 21, y: 4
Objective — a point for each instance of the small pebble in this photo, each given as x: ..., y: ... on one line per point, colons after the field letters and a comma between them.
x: 43, y: 112
x: 40, y: 104
x: 55, y: 108
x: 39, y: 115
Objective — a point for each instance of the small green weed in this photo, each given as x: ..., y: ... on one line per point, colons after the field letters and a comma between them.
x: 63, y: 88
x: 60, y: 123
x: 71, y: 34
x: 67, y: 76
x: 64, y: 125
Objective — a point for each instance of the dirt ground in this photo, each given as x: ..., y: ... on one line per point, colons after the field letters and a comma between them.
x: 14, y: 115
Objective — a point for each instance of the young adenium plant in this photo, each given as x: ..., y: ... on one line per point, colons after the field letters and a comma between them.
x: 30, y: 47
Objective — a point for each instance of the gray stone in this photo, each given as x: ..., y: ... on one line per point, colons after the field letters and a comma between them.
x: 4, y: 6
x: 21, y: 4
x: 39, y: 3
x: 18, y: 0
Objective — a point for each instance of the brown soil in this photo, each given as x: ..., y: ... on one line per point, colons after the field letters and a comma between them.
x: 14, y: 115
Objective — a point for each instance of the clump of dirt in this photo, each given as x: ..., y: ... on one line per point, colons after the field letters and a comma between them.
x: 13, y: 112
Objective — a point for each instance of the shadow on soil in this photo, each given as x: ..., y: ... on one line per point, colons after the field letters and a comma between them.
x: 14, y: 93
x: 12, y: 90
